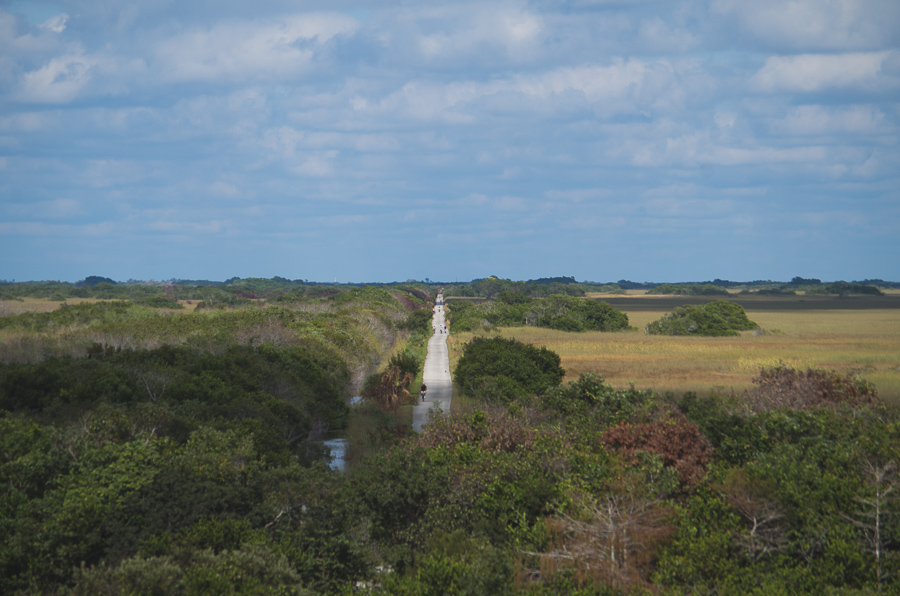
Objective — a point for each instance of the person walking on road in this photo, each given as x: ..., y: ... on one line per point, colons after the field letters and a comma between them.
x: 422, y: 391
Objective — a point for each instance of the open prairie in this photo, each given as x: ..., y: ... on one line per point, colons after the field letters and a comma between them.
x: 801, y: 332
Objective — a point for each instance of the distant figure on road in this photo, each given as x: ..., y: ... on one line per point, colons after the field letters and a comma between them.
x: 422, y: 391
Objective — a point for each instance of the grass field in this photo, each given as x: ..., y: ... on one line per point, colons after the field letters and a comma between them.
x: 859, y: 341
x: 819, y: 332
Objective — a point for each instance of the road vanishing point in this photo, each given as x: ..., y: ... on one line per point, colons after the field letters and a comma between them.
x: 437, y: 372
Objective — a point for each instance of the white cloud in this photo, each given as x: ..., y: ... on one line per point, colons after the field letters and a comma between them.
x: 828, y: 120
x: 725, y: 119
x: 622, y: 87
x: 250, y: 51
x: 815, y: 24
x: 317, y: 165
x: 56, y: 24
x: 475, y: 31
x: 14, y: 42
x: 60, y: 80
x: 810, y: 73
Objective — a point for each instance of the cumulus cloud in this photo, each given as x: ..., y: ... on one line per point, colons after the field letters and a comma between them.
x: 833, y: 121
x: 807, y: 73
x: 56, y: 24
x: 462, y: 32
x: 59, y: 81
x: 621, y: 87
x: 249, y: 51
x: 815, y: 24
x: 550, y: 119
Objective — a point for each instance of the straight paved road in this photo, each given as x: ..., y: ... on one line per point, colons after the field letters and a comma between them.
x: 437, y: 371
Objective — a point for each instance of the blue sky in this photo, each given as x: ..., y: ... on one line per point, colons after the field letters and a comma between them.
x: 381, y: 141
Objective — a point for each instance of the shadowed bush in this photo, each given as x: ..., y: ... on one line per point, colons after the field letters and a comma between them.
x: 499, y: 370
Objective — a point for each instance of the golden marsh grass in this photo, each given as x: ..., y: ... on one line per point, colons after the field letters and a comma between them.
x: 864, y: 342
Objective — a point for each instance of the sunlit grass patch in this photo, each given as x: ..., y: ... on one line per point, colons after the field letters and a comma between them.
x: 864, y: 342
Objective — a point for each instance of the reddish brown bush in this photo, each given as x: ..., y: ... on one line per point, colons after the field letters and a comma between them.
x: 674, y: 438
x: 782, y: 387
x: 493, y: 431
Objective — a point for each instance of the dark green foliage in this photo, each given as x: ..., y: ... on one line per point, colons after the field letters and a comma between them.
x: 492, y: 287
x: 418, y: 320
x: 93, y: 280
x: 515, y: 309
x: 499, y: 369
x: 456, y: 564
x: 589, y: 395
x: 735, y: 439
x: 800, y: 281
x: 253, y: 569
x: 771, y: 292
x: 719, y: 318
x: 407, y: 362
x: 571, y: 314
x: 159, y: 302
x: 513, y: 297
x: 288, y: 389
x: 688, y: 290
x: 843, y: 287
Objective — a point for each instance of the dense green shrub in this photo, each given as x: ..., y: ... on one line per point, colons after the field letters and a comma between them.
x: 499, y: 369
x: 514, y: 309
x: 418, y: 320
x: 407, y: 362
x: 688, y: 290
x: 590, y: 395
x: 573, y: 314
x: 843, y: 287
x: 719, y: 318
x: 290, y: 388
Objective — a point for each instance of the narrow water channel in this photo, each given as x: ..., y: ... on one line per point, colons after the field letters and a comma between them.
x: 337, y: 448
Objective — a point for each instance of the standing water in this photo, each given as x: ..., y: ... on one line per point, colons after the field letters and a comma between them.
x: 337, y: 448
x: 337, y: 445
